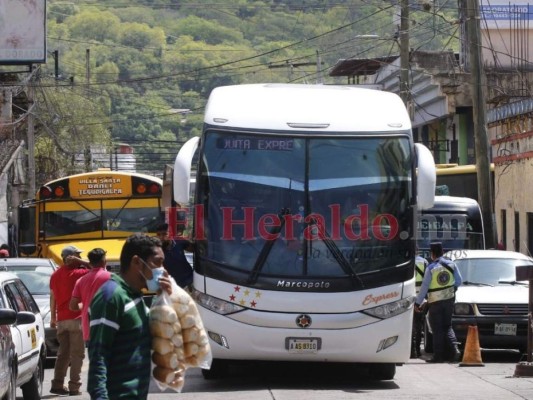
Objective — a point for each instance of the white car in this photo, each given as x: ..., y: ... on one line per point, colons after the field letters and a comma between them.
x: 491, y: 298
x: 27, y: 334
x: 35, y: 273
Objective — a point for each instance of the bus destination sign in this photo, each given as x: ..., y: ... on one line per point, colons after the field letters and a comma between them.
x: 255, y: 144
x: 99, y: 186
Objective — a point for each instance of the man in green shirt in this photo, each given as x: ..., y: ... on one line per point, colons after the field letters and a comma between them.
x: 120, y: 340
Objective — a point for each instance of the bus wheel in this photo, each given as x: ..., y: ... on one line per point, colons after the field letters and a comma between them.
x: 218, y: 370
x: 382, y: 372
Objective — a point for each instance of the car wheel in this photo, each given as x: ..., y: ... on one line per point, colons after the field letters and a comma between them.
x: 218, y: 370
x: 33, y: 389
x: 11, y: 391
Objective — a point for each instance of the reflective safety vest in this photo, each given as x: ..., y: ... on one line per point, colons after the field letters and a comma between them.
x: 420, y: 269
x: 442, y: 285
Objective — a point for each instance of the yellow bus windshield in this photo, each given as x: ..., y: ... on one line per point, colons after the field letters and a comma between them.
x: 99, y: 205
x: 74, y: 218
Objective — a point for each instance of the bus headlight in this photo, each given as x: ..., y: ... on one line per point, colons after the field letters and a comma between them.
x: 214, y: 304
x: 391, y: 309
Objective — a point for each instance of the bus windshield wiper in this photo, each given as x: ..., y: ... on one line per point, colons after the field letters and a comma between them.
x: 121, y: 209
x: 466, y: 283
x: 513, y: 283
x: 87, y: 209
x: 267, y: 247
x: 346, y: 266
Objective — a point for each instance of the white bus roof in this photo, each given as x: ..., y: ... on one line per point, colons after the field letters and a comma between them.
x: 454, y: 199
x: 320, y: 108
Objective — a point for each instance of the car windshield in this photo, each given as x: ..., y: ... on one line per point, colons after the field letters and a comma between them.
x: 490, y: 271
x: 36, y: 278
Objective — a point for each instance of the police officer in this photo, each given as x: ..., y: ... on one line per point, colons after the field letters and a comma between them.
x: 419, y: 312
x: 441, y: 279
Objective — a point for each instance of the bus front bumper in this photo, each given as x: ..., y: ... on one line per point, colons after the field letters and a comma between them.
x: 384, y: 341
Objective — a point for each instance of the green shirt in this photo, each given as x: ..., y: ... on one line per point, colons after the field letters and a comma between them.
x: 120, y: 343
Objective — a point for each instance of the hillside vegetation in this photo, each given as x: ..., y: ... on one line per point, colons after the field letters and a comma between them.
x: 126, y: 67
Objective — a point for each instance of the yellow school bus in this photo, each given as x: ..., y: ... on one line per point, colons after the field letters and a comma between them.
x: 459, y: 180
x: 94, y: 209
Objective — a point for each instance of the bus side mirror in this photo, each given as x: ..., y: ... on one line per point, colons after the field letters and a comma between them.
x: 26, y: 230
x: 425, y: 183
x: 25, y: 217
x: 182, y: 171
x: 27, y: 249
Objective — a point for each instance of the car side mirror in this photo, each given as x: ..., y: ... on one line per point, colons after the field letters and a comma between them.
x: 25, y: 317
x: 7, y: 316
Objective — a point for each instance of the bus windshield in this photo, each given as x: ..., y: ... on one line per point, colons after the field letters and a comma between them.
x: 454, y: 221
x: 99, y: 216
x: 457, y: 231
x: 305, y: 206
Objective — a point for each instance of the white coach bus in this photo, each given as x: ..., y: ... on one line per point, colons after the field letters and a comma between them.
x: 305, y: 212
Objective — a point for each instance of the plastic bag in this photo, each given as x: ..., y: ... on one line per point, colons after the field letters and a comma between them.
x: 179, y: 340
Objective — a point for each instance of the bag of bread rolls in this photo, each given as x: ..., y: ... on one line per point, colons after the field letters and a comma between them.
x: 179, y: 340
x: 167, y: 360
x: 195, y: 350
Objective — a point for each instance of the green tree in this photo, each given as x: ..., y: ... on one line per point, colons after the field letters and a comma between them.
x: 140, y: 36
x: 94, y: 25
x: 202, y: 30
x: 69, y: 121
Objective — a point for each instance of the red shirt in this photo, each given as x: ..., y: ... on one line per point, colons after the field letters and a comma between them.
x: 62, y: 283
x: 84, y: 290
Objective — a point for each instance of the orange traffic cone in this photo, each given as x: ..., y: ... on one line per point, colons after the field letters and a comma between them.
x: 472, y: 354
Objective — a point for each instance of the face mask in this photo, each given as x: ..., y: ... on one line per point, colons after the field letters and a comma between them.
x: 153, y: 284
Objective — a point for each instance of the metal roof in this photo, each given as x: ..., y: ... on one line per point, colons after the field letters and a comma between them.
x: 360, y: 66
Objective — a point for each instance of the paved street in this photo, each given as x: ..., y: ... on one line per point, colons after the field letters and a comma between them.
x: 415, y: 380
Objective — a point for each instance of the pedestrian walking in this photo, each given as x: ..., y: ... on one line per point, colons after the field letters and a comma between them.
x: 441, y: 279
x: 120, y: 341
x: 87, y: 286
x: 71, y: 350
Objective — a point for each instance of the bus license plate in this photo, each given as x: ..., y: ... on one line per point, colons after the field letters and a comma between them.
x: 303, y: 345
x: 505, y: 329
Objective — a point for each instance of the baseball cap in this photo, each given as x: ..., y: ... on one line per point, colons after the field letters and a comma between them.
x: 69, y: 251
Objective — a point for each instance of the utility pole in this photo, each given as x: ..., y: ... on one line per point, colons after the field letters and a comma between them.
x: 404, y: 51
x: 6, y: 107
x: 56, y: 64
x: 318, y: 69
x: 478, y: 85
x: 31, y: 134
x: 88, y: 66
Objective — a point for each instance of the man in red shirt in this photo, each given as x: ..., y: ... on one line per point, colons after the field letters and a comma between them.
x: 71, y: 349
x: 87, y: 286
